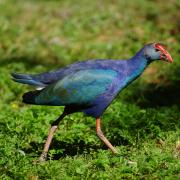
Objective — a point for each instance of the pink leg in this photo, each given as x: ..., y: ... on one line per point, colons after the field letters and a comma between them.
x: 102, y: 137
x: 47, y: 144
x: 50, y: 137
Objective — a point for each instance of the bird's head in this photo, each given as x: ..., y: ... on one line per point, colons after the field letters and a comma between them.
x: 157, y: 51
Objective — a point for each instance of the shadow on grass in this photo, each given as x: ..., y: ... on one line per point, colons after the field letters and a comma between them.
x: 63, y: 149
x: 160, y: 96
x: 167, y: 94
x: 153, y: 95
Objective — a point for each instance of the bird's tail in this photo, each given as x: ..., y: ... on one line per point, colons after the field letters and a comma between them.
x: 30, y: 96
x: 27, y: 79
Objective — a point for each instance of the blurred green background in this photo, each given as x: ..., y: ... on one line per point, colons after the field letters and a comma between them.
x: 143, y: 122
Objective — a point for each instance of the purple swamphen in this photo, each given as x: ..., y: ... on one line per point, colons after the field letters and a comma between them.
x: 88, y: 86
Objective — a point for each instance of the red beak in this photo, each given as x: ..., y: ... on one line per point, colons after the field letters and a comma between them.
x: 165, y: 56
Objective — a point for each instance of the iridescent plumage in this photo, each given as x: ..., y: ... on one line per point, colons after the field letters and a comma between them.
x: 89, y: 86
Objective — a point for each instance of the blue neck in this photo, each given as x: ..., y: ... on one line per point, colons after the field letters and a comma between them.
x: 136, y: 65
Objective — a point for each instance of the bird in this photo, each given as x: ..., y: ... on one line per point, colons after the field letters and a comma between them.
x: 88, y: 86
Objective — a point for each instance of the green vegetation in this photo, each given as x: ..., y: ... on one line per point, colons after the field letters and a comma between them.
x: 143, y: 122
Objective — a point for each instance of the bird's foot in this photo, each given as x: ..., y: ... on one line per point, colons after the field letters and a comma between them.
x: 43, y: 157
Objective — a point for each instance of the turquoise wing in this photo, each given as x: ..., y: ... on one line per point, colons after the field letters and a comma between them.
x: 80, y: 88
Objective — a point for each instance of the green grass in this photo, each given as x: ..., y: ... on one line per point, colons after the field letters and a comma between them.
x: 143, y: 122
